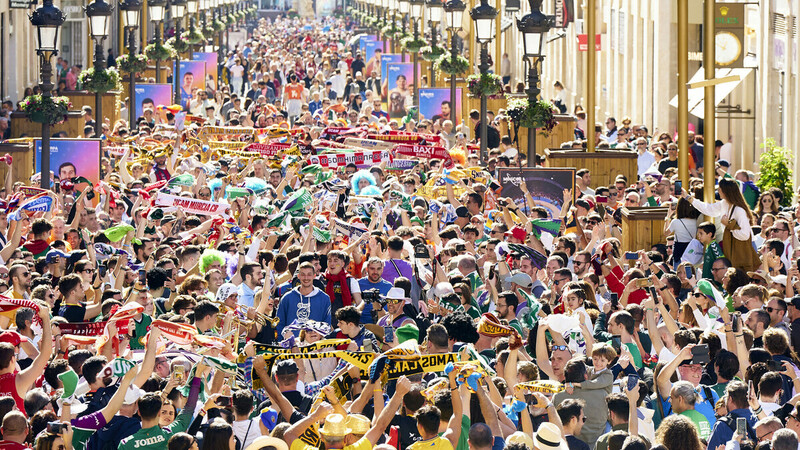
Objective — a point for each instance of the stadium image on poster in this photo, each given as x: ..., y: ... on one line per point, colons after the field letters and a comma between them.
x: 400, y: 89
x: 434, y: 104
x: 385, y: 61
x: 210, y: 58
x: 192, y: 76
x: 545, y: 185
x: 151, y: 96
x: 71, y: 158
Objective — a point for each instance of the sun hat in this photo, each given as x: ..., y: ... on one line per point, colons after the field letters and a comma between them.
x: 335, y: 426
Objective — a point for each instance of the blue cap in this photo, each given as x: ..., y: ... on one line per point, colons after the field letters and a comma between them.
x: 53, y: 254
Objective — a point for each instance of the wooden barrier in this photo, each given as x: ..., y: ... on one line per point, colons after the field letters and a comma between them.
x: 604, y: 165
x: 20, y: 125
x: 22, y: 165
x: 110, y: 103
x: 642, y: 228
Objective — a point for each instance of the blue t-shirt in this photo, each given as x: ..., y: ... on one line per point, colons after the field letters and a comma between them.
x: 294, y: 306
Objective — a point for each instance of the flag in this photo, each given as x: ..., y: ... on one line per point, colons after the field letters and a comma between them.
x: 236, y: 192
x: 529, y: 314
x: 69, y: 381
x: 9, y: 306
x: 184, y: 179
x: 323, y: 236
x: 41, y: 202
x: 571, y: 224
x: 538, y: 260
x: 540, y: 226
x: 298, y: 201
x: 118, y: 232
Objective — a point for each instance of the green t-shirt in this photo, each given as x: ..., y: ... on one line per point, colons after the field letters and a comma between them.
x: 462, y: 438
x: 140, y: 331
x: 712, y: 253
x: 637, y: 356
x: 700, y: 422
x: 514, y: 323
x: 156, y: 438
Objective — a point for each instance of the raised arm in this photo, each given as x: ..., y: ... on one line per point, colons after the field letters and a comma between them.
x: 27, y: 377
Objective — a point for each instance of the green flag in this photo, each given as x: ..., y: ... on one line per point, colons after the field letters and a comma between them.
x: 236, y: 192
x: 220, y: 364
x: 118, y: 232
x: 69, y: 380
x: 323, y: 236
x: 184, y: 179
x: 298, y: 201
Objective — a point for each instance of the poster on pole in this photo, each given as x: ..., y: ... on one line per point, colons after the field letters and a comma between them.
x: 545, y: 185
x: 434, y: 104
x: 71, y: 158
x: 192, y: 77
x: 400, y: 89
x: 387, y: 59
x: 372, y: 58
x: 362, y: 41
x: 151, y: 96
x: 210, y: 58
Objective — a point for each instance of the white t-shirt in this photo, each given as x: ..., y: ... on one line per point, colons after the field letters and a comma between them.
x: 241, y: 432
x: 237, y: 71
x: 684, y: 229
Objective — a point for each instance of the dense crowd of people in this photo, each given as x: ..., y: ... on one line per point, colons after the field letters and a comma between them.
x: 286, y: 267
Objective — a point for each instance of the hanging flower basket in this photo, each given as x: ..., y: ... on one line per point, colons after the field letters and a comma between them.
x: 218, y: 25
x: 488, y: 84
x: 230, y: 20
x: 193, y: 37
x: 159, y: 52
x: 390, y: 31
x: 539, y: 115
x: 292, y: 14
x: 208, y: 32
x: 412, y: 45
x: 132, y: 63
x: 179, y: 45
x: 100, y: 81
x: 432, y: 53
x: 446, y: 64
x: 49, y: 110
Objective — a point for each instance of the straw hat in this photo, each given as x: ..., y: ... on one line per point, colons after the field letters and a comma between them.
x: 519, y: 437
x: 335, y: 426
x: 548, y: 437
x: 358, y: 423
x: 267, y: 441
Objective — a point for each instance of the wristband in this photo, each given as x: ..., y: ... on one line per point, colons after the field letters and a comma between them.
x: 663, y: 288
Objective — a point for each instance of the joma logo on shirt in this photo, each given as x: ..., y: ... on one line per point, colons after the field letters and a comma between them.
x: 149, y: 441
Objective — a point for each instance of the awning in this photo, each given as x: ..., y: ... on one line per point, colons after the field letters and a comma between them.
x: 697, y: 96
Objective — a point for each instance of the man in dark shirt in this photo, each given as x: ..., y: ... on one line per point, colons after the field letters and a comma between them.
x: 73, y: 308
x: 571, y: 412
x: 357, y: 65
x: 793, y: 310
x: 405, y: 421
x: 286, y: 374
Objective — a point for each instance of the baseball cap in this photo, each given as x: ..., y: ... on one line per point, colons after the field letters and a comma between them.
x: 286, y: 367
x: 521, y: 279
x: 13, y: 338
x: 53, y: 254
x: 794, y: 301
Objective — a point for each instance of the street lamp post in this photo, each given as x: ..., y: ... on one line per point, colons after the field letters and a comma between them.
x: 131, y: 9
x: 156, y: 9
x: 416, y: 16
x: 191, y: 8
x: 534, y: 27
x: 218, y: 7
x: 47, y: 19
x: 403, y: 7
x: 99, y: 14
x: 435, y: 10
x: 454, y: 13
x: 483, y: 15
x: 177, y: 9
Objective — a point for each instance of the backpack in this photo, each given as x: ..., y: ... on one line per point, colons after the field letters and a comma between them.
x: 730, y: 422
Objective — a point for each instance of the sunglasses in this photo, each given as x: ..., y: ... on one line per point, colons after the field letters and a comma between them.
x: 560, y: 347
x: 770, y: 309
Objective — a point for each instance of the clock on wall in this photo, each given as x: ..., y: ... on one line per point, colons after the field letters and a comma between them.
x: 728, y: 48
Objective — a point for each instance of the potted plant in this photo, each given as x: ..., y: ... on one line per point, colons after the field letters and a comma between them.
x: 179, y: 45
x: 452, y: 66
x: 412, y: 45
x: 218, y: 25
x: 538, y: 115
x: 488, y: 84
x: 193, y: 37
x: 99, y: 81
x: 776, y: 170
x: 159, y: 52
x: 132, y: 63
x: 431, y: 53
x: 49, y: 110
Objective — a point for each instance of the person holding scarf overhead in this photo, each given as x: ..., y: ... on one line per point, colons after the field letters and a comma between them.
x: 339, y: 285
